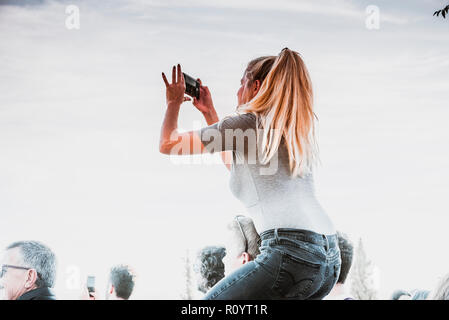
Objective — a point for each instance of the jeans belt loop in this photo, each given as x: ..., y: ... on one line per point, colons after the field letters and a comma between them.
x: 276, y: 236
x: 326, y: 243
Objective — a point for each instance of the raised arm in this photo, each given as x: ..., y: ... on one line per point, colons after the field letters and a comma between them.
x: 206, y: 106
x: 187, y: 143
x: 175, y: 97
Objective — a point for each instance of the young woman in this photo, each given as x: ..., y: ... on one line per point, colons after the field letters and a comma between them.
x: 271, y: 173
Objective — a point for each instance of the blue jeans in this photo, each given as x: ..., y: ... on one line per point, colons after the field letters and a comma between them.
x: 292, y: 264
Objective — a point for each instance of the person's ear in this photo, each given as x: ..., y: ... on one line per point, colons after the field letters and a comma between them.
x: 245, y: 257
x: 111, y: 289
x: 31, y: 278
x: 256, y: 86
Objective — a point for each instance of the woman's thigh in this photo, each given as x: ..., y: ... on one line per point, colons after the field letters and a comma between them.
x: 248, y: 282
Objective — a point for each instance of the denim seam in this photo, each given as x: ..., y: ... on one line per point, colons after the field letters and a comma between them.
x: 272, y: 243
x: 265, y: 268
x: 335, y: 258
x: 302, y: 239
x: 305, y: 249
x: 278, y: 273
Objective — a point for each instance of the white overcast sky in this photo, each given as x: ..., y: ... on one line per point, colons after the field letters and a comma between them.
x: 81, y: 112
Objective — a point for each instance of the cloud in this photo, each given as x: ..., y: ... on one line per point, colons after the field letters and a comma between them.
x: 331, y: 8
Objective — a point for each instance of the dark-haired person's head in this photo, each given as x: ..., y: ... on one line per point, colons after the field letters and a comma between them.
x: 121, y: 283
x: 209, y: 267
x: 346, y: 253
x: 28, y: 271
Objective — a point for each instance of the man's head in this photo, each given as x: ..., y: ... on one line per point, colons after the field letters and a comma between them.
x: 26, y: 265
x: 209, y: 267
x: 346, y: 253
x: 121, y: 283
x: 242, y: 244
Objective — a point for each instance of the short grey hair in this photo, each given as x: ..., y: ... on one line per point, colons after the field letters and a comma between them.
x: 123, y: 280
x: 250, y: 233
x: 38, y: 256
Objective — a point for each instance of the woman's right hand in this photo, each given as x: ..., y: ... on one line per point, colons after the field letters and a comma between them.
x: 204, y: 103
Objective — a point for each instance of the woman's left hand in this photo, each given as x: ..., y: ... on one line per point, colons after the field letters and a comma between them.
x: 175, y: 91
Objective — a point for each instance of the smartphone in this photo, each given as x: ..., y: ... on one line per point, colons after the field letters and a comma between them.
x: 91, y: 284
x: 192, y: 86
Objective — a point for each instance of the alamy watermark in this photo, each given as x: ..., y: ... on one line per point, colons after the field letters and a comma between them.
x: 245, y: 145
x: 372, y: 21
x: 72, y: 277
x: 72, y: 21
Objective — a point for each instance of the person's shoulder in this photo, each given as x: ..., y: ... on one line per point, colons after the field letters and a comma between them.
x: 50, y: 297
x: 43, y: 293
x: 243, y: 120
x: 237, y: 116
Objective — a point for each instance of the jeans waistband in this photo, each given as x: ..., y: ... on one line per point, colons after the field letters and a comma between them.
x: 302, y: 235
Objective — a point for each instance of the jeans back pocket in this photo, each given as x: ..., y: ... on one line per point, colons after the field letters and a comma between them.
x: 297, y: 277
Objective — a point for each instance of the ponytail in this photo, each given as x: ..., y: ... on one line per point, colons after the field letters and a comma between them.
x: 284, y: 104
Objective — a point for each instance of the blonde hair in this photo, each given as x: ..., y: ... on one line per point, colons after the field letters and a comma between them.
x: 284, y: 106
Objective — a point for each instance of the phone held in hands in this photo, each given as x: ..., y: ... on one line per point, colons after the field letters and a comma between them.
x: 192, y: 86
x: 91, y: 284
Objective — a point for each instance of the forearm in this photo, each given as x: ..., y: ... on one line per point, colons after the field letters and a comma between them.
x: 211, y: 117
x: 170, y: 123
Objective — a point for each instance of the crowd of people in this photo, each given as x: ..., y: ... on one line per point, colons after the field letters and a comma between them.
x: 28, y: 269
x: 28, y: 272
